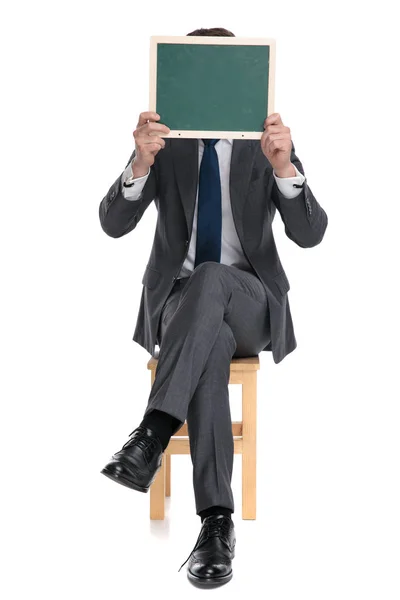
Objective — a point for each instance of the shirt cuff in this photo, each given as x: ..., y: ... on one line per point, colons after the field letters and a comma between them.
x: 132, y: 192
x: 285, y: 184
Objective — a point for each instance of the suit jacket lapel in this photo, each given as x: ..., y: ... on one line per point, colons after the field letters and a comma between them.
x: 243, y: 153
x: 185, y: 154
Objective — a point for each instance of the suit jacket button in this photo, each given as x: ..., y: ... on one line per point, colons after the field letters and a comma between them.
x: 186, y: 242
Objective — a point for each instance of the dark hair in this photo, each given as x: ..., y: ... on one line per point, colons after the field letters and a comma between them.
x: 215, y: 31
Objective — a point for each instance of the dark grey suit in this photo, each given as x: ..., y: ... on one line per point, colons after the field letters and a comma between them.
x: 172, y: 184
x: 220, y: 311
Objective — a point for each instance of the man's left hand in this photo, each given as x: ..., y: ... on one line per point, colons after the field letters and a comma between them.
x: 276, y: 144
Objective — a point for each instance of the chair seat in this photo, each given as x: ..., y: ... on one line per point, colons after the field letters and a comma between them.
x: 248, y: 363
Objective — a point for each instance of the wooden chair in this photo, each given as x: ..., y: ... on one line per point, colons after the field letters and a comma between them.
x: 244, y: 372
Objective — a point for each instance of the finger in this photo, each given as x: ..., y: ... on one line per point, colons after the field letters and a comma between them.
x: 264, y: 139
x: 276, y: 128
x: 151, y: 148
x: 277, y: 145
x: 146, y: 116
x: 274, y: 119
x: 152, y: 139
x: 159, y: 127
x: 277, y: 136
x: 149, y: 128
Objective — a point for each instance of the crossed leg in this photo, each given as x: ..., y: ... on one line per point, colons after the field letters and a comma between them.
x: 219, y: 312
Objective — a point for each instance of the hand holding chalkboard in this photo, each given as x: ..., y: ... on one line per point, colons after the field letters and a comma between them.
x: 148, y: 141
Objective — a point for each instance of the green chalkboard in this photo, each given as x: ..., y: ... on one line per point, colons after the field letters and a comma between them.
x: 212, y: 87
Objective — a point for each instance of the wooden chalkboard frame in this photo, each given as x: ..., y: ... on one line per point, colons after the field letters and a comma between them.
x: 155, y: 40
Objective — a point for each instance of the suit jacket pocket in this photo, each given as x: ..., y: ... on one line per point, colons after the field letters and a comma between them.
x: 151, y: 277
x: 282, y: 282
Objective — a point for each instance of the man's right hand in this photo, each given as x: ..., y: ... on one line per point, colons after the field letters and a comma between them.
x: 148, y: 142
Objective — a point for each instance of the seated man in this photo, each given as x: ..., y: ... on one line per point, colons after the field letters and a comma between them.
x: 214, y: 288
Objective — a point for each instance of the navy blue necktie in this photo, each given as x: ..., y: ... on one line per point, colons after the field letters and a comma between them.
x: 209, y: 213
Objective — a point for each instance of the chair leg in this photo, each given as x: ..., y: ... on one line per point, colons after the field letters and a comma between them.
x: 167, y: 475
x: 157, y: 494
x: 249, y: 417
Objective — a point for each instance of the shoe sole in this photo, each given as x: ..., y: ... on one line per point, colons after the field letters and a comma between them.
x: 123, y: 481
x: 209, y: 581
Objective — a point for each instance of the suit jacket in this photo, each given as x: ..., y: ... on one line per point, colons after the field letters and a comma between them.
x: 255, y: 196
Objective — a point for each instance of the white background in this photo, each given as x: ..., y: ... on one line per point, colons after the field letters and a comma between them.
x: 74, y: 384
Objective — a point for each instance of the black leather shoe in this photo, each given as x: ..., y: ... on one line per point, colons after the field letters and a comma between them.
x: 137, y: 463
x: 210, y: 562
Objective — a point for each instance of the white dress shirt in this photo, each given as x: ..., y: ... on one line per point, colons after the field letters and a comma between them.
x: 231, y: 248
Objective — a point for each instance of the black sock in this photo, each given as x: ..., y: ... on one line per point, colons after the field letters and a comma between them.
x: 215, y: 510
x: 163, y: 425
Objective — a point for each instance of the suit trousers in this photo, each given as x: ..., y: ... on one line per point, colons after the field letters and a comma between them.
x: 218, y: 313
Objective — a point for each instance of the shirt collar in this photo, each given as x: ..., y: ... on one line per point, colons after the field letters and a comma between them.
x: 227, y: 140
